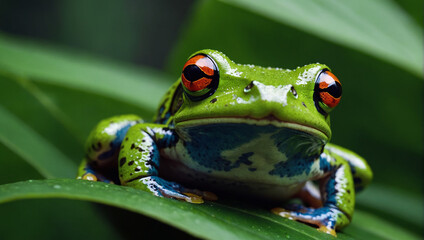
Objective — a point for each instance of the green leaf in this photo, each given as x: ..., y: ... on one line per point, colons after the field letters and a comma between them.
x: 213, y: 220
x: 40, y: 97
x: 10, y: 162
x: 26, y: 101
x: 379, y: 28
x: 54, y: 219
x: 373, y: 225
x: 397, y: 203
x: 41, y: 154
x: 140, y: 86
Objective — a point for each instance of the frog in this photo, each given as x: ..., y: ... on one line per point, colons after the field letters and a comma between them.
x: 256, y: 133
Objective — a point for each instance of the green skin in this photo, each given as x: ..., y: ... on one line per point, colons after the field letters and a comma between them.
x: 175, y: 151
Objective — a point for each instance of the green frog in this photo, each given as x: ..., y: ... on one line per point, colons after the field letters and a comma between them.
x: 242, y: 130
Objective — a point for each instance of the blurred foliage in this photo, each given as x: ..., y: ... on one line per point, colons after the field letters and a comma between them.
x: 53, y: 92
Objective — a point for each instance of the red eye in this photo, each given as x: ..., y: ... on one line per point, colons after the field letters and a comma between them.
x: 328, y: 91
x: 200, y: 77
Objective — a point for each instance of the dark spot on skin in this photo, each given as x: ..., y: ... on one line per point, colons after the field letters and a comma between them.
x: 348, y: 191
x: 112, y: 121
x: 144, y: 140
x: 96, y: 147
x: 130, y: 163
x: 213, y: 100
x: 249, y: 86
x: 226, y: 105
x: 122, y: 146
x: 131, y: 174
x: 126, y: 139
x: 137, y: 169
x: 293, y: 91
x: 122, y: 161
x: 304, y: 105
x: 139, y: 149
x: 252, y: 169
x: 132, y: 146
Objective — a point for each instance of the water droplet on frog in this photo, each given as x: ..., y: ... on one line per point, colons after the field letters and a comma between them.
x: 56, y: 186
x: 30, y: 180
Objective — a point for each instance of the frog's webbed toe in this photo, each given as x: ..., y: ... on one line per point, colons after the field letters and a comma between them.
x: 326, y: 218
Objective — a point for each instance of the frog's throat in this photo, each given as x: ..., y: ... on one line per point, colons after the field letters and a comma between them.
x: 252, y: 121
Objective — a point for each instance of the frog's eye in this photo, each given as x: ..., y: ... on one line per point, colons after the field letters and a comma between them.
x: 200, y: 77
x: 327, y: 92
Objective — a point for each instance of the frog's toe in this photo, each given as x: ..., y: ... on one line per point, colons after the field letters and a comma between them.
x: 89, y: 177
x: 192, y: 198
x: 208, y: 196
x: 167, y: 189
x: 327, y: 230
x: 325, y: 218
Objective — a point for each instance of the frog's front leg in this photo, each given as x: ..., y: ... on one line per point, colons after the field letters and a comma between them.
x: 102, y: 148
x: 139, y: 161
x: 337, y: 195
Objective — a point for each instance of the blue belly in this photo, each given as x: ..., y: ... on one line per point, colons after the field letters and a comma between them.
x: 230, y: 146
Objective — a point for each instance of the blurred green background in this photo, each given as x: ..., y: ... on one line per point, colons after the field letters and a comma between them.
x: 380, y: 116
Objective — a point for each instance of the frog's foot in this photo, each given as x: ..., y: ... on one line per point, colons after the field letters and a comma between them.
x: 87, y: 173
x: 326, y: 218
x: 95, y: 177
x: 163, y: 188
x: 208, y: 196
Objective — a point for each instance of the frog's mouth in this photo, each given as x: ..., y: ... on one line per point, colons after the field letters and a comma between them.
x: 270, y: 120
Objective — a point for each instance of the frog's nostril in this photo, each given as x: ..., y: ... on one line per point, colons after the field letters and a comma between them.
x: 293, y: 91
x: 249, y: 87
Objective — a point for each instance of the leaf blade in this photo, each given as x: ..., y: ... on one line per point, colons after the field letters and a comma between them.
x: 408, y: 208
x: 38, y: 152
x: 141, y: 86
x: 210, y: 220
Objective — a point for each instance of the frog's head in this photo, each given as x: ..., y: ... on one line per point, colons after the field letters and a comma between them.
x: 217, y: 90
